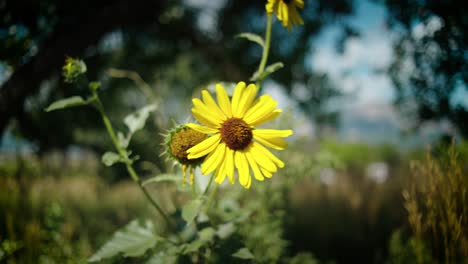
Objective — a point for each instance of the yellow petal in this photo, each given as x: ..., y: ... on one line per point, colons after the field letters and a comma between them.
x: 279, y: 11
x: 284, y: 13
x: 202, y: 129
x: 223, y: 100
x: 266, y: 173
x: 230, y: 164
x: 203, y: 148
x: 242, y: 168
x: 236, y: 97
x: 261, y: 159
x: 299, y: 3
x: 270, y: 6
x: 269, y: 155
x: 275, y: 143
x: 210, y: 103
x: 246, y: 100
x: 249, y: 182
x: 213, y: 160
x: 272, y: 133
x: 272, y: 137
x: 208, y: 111
x: 206, y: 120
x: 263, y: 107
x: 253, y: 164
x: 266, y: 118
x: 295, y: 17
x: 220, y: 173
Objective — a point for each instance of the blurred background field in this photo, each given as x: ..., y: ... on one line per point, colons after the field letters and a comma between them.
x: 375, y: 92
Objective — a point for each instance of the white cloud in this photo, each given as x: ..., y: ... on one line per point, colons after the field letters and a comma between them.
x: 357, y: 69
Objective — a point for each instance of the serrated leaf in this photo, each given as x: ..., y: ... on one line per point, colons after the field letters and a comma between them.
x: 243, y: 253
x: 137, y: 120
x: 110, y: 158
x: 162, y: 178
x: 132, y: 241
x: 191, y: 210
x: 252, y: 37
x: 268, y: 70
x: 66, y: 103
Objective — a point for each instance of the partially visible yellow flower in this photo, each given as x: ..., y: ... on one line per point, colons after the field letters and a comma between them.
x: 286, y: 11
x: 177, y: 142
x: 234, y: 142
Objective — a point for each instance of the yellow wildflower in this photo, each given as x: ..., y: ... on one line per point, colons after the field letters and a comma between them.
x: 286, y: 11
x: 234, y: 140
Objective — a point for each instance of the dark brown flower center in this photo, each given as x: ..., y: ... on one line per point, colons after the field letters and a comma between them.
x: 183, y: 140
x: 236, y: 133
x: 287, y: 1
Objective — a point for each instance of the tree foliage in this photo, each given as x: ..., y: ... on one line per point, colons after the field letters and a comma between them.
x: 160, y: 40
x: 430, y: 69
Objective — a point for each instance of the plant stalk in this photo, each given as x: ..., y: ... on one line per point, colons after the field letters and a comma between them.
x: 123, y: 153
x: 266, y: 49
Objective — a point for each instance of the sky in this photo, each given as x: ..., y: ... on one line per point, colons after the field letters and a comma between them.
x: 356, y: 70
x: 367, y: 113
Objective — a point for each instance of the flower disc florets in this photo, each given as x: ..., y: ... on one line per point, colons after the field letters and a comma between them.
x: 236, y: 133
x: 181, y: 141
x: 178, y: 141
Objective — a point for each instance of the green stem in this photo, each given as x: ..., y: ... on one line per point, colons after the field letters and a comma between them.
x: 209, y: 184
x: 266, y: 49
x: 123, y: 153
x: 211, y: 198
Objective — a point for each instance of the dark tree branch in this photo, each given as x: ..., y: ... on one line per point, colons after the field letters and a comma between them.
x: 71, y: 39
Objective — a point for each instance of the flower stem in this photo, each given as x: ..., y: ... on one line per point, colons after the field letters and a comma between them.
x: 266, y: 49
x: 211, y: 198
x: 209, y: 184
x: 128, y: 163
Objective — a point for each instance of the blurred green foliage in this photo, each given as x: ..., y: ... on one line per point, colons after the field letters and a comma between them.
x: 56, y: 209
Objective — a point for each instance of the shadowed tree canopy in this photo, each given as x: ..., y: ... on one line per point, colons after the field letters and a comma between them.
x: 175, y: 46
x: 430, y: 69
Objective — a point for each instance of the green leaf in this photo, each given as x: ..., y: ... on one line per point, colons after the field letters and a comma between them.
x: 207, y: 234
x: 193, y: 246
x: 252, y: 37
x: 268, y: 70
x: 123, y: 140
x: 110, y: 158
x: 226, y: 230
x: 243, y: 253
x: 162, y: 178
x: 133, y: 241
x: 191, y: 210
x: 137, y: 120
x: 163, y: 258
x: 66, y: 103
